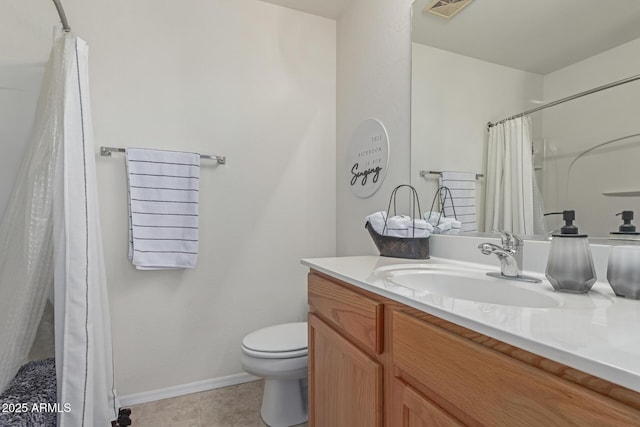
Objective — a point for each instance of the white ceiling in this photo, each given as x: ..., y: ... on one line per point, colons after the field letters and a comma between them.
x: 540, y: 36
x: 328, y: 8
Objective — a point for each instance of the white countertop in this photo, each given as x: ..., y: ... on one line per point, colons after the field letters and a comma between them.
x: 597, y: 333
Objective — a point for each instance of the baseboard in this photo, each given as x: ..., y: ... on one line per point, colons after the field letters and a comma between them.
x: 180, y: 390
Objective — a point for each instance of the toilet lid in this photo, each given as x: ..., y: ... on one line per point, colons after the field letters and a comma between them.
x: 287, y: 337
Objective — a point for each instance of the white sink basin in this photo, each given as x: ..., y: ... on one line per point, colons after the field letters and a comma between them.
x: 468, y: 284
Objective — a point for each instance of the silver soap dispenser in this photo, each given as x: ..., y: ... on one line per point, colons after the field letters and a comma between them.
x: 570, y: 265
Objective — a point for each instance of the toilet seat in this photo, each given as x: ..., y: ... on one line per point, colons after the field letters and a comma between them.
x: 271, y: 355
x: 282, y: 341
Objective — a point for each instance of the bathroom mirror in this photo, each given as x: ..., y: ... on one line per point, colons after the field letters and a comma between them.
x: 496, y: 58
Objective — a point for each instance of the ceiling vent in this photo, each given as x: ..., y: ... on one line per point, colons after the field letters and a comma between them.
x: 446, y: 8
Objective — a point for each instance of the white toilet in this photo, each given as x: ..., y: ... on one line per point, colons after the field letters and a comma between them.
x: 279, y: 355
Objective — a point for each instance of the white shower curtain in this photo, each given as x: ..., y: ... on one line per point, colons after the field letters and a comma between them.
x: 512, y: 201
x: 83, y: 327
x: 51, y: 233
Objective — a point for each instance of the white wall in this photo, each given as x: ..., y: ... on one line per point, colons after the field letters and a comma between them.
x: 575, y: 126
x: 242, y: 78
x: 374, y: 57
x: 452, y: 99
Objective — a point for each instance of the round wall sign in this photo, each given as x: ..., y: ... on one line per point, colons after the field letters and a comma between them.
x: 367, y: 158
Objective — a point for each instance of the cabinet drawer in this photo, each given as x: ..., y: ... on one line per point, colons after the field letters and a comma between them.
x: 480, y: 386
x: 357, y: 316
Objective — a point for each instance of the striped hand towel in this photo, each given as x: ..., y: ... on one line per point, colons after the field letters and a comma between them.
x: 463, y: 192
x: 163, y: 208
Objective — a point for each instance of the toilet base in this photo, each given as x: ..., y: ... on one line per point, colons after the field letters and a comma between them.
x: 284, y: 403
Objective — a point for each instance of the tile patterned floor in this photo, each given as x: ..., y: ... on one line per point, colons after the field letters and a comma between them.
x: 234, y: 406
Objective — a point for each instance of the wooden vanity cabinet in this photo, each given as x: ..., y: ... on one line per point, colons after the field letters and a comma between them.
x: 345, y: 372
x: 374, y: 362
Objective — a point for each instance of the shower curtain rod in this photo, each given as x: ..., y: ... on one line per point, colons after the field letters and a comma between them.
x: 568, y: 98
x: 63, y: 16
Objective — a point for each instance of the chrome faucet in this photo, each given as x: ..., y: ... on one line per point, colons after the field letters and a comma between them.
x: 510, y: 256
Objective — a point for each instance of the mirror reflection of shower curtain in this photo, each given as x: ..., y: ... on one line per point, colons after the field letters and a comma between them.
x: 51, y: 234
x: 512, y: 200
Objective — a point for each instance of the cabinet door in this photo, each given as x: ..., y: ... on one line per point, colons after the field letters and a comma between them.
x: 345, y: 385
x: 481, y: 386
x: 411, y: 409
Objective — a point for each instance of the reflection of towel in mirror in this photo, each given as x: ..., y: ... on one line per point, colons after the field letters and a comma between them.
x: 399, y: 225
x: 441, y: 223
x: 462, y: 200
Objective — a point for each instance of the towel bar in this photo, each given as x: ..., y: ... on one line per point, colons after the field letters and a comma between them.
x: 106, y: 152
x: 425, y: 173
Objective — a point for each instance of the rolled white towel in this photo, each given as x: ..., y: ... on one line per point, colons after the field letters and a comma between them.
x: 397, y: 226
x: 432, y: 218
x: 407, y: 227
x: 452, y: 222
x: 419, y: 228
x: 436, y: 219
x: 442, y: 227
x: 377, y: 220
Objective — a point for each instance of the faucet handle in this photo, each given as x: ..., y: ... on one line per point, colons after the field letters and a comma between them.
x: 510, y: 240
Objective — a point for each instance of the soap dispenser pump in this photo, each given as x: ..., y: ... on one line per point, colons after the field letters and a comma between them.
x: 626, y: 228
x: 570, y: 265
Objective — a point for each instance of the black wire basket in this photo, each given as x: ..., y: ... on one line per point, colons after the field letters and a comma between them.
x: 400, y: 247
